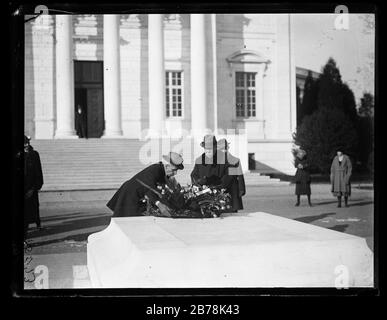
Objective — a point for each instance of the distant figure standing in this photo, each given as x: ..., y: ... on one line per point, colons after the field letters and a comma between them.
x: 341, y: 171
x: 80, y: 122
x: 302, y: 177
x: 33, y: 182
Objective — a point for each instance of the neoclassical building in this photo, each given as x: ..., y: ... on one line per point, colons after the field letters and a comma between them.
x: 171, y: 74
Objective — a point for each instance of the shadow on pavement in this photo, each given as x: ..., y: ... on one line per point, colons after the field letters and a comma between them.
x: 321, y: 203
x: 339, y: 227
x: 359, y: 204
x: 309, y: 219
x: 92, y: 221
x: 365, y: 188
x: 69, y: 216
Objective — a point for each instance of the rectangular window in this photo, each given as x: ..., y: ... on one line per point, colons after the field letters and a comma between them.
x: 174, y: 94
x: 245, y: 94
x: 90, y: 72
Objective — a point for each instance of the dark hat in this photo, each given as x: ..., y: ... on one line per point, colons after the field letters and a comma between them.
x: 223, y: 144
x: 209, y: 141
x: 26, y: 139
x: 174, y: 159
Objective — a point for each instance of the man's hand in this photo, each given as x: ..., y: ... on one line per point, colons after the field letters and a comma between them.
x: 165, y: 211
x: 28, y: 194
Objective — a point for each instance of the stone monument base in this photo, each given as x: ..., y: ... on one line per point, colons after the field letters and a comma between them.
x: 239, y: 250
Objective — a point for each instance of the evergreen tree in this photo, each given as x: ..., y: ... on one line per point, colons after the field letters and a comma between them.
x: 330, y: 87
x: 349, y: 103
x: 366, y: 131
x: 309, y: 101
x: 321, y: 133
x: 333, y: 93
x: 329, y: 119
x: 366, y: 108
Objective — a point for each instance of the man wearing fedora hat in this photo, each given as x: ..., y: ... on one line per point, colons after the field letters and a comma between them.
x: 233, y: 179
x: 127, y: 201
x: 208, y: 170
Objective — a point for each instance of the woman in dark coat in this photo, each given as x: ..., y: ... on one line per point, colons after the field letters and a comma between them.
x: 33, y: 182
x: 341, y: 171
x: 302, y: 177
x: 233, y: 179
x: 127, y: 201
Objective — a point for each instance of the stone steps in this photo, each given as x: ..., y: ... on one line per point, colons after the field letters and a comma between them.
x: 94, y: 164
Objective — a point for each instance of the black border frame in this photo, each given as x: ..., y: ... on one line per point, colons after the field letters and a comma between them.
x: 16, y: 30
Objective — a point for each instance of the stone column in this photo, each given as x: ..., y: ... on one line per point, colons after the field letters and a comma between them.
x: 198, y: 75
x: 112, y: 81
x: 292, y: 82
x: 215, y: 71
x: 156, y: 75
x: 65, y: 122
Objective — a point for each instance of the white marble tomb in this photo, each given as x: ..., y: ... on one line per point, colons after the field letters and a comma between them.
x: 239, y: 250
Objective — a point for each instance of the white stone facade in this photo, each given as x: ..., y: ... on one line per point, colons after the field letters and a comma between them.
x: 209, y: 54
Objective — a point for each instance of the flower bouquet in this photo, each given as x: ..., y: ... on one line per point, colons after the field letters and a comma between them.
x: 191, y: 201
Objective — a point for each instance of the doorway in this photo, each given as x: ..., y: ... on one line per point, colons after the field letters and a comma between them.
x: 89, y: 97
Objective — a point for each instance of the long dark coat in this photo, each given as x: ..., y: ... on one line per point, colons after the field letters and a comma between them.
x: 340, y: 176
x: 208, y: 171
x: 80, y: 124
x: 302, y: 177
x: 33, y: 180
x: 234, y: 180
x: 226, y: 172
x: 127, y: 202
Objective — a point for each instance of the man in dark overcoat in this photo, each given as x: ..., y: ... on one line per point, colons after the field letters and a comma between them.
x: 233, y: 179
x: 207, y: 171
x: 127, y: 201
x: 80, y: 122
x: 341, y: 171
x: 33, y: 182
x: 216, y: 168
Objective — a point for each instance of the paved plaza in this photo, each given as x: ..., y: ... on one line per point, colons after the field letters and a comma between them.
x: 61, y: 244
